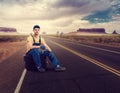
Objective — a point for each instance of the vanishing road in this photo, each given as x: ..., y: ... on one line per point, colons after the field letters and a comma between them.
x: 90, y: 69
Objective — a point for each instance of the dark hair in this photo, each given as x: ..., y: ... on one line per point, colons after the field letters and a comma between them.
x: 36, y: 26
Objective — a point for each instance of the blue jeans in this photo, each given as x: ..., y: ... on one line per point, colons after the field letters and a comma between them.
x: 36, y: 53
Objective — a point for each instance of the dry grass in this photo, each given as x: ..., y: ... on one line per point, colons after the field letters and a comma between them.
x: 12, y: 38
x: 9, y: 44
x: 104, y: 39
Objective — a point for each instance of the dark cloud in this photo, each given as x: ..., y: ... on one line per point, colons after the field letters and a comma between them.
x: 99, y: 16
x: 70, y: 3
x: 20, y: 2
x: 105, y: 15
x: 116, y: 8
x: 94, y: 11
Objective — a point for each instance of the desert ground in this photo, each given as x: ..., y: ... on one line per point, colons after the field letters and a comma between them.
x: 10, y: 44
x: 9, y: 48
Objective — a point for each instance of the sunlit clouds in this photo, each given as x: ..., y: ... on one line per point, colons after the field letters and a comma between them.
x: 60, y: 15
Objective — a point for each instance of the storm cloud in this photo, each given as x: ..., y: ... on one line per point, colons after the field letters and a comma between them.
x: 59, y: 13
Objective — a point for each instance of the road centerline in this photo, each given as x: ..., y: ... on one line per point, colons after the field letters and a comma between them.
x: 98, y: 63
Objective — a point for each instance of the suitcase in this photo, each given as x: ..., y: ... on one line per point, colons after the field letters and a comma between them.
x: 30, y: 65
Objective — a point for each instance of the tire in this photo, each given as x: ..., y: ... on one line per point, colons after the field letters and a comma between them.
x: 30, y: 65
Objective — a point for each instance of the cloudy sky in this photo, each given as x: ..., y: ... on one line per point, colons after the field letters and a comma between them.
x: 60, y: 15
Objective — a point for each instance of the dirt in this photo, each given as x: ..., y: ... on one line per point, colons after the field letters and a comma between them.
x: 9, y: 48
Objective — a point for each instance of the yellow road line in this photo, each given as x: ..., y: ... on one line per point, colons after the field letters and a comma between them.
x: 110, y: 69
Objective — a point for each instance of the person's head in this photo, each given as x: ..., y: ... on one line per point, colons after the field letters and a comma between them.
x: 36, y: 29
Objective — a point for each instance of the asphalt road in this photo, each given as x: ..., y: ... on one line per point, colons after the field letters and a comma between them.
x: 90, y: 69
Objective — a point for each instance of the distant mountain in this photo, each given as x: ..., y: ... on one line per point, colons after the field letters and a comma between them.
x: 7, y: 29
x: 92, y: 30
x: 114, y: 32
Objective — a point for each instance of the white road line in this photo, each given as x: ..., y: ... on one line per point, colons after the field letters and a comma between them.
x: 20, y: 81
x: 96, y: 48
x: 66, y: 40
x: 100, y: 49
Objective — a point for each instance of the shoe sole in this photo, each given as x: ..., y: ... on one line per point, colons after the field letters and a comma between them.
x: 60, y: 69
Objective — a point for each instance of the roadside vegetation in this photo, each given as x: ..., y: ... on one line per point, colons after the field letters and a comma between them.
x: 12, y: 38
x: 9, y: 44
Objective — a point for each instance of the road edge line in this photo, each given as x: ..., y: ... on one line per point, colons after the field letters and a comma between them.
x: 94, y: 47
x: 17, y: 89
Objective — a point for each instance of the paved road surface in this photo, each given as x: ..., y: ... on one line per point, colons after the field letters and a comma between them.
x: 81, y: 76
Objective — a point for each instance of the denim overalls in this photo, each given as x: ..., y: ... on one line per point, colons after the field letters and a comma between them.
x: 37, y: 53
